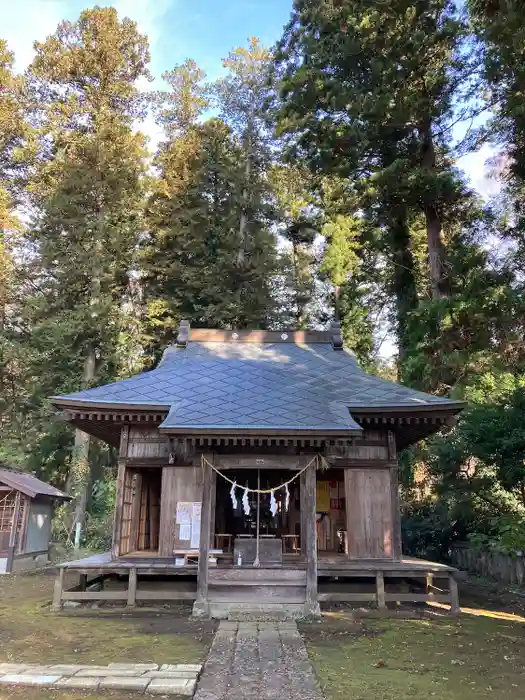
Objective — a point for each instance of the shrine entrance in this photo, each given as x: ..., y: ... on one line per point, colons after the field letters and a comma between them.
x: 250, y: 522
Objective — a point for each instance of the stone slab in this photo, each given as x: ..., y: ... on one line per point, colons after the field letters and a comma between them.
x: 181, y: 667
x: 188, y: 675
x: 12, y: 668
x: 65, y: 669
x: 125, y: 683
x: 135, y: 667
x: 120, y: 672
x: 26, y: 679
x: 79, y: 682
x: 171, y: 686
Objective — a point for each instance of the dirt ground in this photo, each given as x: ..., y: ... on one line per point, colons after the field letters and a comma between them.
x: 423, y: 652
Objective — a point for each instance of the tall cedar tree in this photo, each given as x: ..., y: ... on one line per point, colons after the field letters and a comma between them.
x: 500, y: 28
x: 367, y: 94
x: 299, y: 223
x: 88, y: 190
x: 14, y: 134
x: 241, y: 97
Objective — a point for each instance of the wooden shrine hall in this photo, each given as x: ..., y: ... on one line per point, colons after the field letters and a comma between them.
x: 257, y: 472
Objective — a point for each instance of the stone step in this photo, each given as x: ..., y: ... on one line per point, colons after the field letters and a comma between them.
x: 258, y: 611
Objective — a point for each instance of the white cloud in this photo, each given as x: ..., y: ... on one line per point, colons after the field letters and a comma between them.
x: 26, y: 21
x: 475, y: 167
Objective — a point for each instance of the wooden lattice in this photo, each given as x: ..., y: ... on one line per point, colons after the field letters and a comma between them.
x: 7, y: 513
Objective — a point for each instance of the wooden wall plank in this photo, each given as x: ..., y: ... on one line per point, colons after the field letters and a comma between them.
x: 178, y: 484
x: 369, y: 513
x: 147, y: 444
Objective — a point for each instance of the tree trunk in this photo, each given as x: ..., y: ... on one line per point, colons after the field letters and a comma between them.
x: 245, y: 197
x: 435, y: 243
x: 81, y: 469
x: 80, y: 476
x: 404, y: 280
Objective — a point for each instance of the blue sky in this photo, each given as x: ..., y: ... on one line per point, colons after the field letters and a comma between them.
x: 205, y: 30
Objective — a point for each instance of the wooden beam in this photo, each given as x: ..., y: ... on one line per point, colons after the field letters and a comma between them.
x: 454, y: 595
x: 132, y: 588
x: 57, y: 591
x: 204, y: 546
x: 308, y: 505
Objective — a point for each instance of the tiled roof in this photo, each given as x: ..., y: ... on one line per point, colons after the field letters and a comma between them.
x: 28, y: 484
x: 272, y: 386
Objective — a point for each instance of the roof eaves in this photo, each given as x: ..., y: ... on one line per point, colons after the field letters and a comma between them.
x: 446, y: 404
x: 60, y: 402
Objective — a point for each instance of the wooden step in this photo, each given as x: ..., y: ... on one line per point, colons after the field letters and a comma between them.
x: 257, y: 594
x: 241, y: 582
x: 258, y: 575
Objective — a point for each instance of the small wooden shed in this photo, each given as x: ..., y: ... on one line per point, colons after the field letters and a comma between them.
x: 26, y: 511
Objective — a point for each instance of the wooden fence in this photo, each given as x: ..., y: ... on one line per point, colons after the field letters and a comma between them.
x: 508, y: 568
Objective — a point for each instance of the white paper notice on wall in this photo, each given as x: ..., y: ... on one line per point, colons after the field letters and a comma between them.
x: 184, y: 512
x: 196, y: 525
x: 185, y: 531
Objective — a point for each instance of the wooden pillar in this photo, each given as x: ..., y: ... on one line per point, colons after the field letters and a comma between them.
x: 201, y: 607
x: 82, y: 582
x: 380, y: 587
x: 132, y: 588
x: 302, y: 515
x: 57, y: 591
x: 310, y: 534
x: 213, y: 508
x: 119, y: 495
x: 11, y: 547
x: 397, y: 552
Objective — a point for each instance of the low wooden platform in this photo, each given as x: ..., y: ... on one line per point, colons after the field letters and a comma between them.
x: 339, y: 580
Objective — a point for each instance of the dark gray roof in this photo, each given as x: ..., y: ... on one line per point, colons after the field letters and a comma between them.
x: 29, y: 485
x: 286, y: 386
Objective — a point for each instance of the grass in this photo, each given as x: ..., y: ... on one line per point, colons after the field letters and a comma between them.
x: 31, y: 633
x: 473, y: 657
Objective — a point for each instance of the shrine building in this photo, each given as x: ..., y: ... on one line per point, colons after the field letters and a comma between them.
x: 257, y: 472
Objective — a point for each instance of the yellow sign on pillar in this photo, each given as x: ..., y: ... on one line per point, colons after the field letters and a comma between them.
x: 322, y: 496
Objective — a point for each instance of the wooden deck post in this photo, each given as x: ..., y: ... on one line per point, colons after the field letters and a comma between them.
x: 310, y: 548
x: 57, y: 591
x: 201, y: 605
x: 132, y: 588
x: 454, y: 595
x: 380, y: 587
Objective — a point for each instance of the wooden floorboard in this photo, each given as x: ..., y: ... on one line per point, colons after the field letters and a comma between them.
x: 333, y: 565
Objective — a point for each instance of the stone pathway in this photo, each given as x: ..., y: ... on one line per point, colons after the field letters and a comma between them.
x: 169, y: 679
x: 258, y: 661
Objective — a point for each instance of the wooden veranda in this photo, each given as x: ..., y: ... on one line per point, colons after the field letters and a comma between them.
x: 133, y: 580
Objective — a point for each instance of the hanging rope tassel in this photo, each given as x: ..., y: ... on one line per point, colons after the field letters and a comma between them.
x: 234, y: 495
x: 245, y: 501
x: 273, y: 504
x: 286, y: 498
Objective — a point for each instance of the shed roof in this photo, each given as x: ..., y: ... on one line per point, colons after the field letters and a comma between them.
x: 29, y: 485
x: 264, y: 381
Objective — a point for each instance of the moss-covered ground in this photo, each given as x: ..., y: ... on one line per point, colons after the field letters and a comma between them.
x: 476, y: 656
x: 31, y: 633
